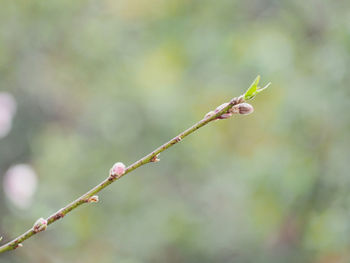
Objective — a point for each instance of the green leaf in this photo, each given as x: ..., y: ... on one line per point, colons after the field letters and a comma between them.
x: 266, y: 86
x: 254, y: 89
x: 0, y: 238
x: 250, y: 93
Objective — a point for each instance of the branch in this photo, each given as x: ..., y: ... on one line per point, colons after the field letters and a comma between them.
x: 235, y: 106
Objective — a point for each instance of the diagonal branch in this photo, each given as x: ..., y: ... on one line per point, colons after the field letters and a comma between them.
x: 236, y: 105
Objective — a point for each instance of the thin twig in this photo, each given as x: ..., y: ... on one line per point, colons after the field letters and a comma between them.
x: 221, y: 112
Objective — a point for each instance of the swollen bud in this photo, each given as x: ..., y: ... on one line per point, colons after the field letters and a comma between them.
x: 219, y: 108
x: 225, y: 116
x: 40, y: 225
x: 245, y: 108
x: 242, y: 108
x: 118, y: 169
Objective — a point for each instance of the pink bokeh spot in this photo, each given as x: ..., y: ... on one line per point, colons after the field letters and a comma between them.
x: 20, y: 183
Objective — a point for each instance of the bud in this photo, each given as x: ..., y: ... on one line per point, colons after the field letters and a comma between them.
x: 40, y: 225
x: 242, y: 108
x: 219, y: 108
x: 118, y: 169
x: 155, y: 158
x: 237, y: 100
x: 225, y: 115
x: 59, y: 215
x: 18, y: 245
x: 93, y: 199
x: 245, y: 108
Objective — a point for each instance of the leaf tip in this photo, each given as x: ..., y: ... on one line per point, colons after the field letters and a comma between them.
x: 254, y: 89
x: 266, y: 86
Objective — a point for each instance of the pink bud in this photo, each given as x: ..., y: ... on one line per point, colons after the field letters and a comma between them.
x: 245, y: 108
x: 40, y: 225
x: 225, y: 116
x: 242, y: 108
x: 118, y: 169
x: 219, y: 108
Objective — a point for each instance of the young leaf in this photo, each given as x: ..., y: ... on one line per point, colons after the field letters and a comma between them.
x: 266, y: 86
x: 254, y: 89
x: 250, y: 93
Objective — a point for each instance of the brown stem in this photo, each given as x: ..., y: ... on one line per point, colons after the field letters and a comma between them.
x: 146, y: 159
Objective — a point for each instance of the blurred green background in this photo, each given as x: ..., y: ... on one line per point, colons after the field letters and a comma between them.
x: 97, y: 82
